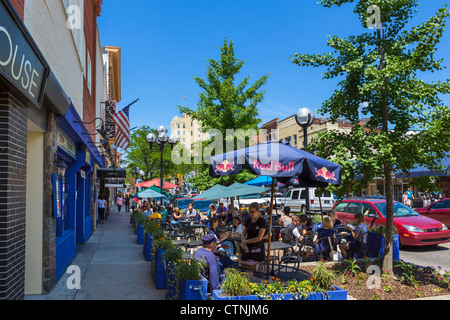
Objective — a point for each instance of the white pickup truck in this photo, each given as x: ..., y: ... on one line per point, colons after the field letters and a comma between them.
x: 296, y: 200
x: 244, y: 201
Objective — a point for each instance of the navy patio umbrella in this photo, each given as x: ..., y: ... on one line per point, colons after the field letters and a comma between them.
x: 278, y: 160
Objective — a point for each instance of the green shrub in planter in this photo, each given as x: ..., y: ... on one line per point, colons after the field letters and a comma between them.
x: 191, y: 284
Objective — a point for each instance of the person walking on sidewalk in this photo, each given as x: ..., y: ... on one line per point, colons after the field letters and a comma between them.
x: 119, y: 201
x: 127, y: 201
x: 101, y: 209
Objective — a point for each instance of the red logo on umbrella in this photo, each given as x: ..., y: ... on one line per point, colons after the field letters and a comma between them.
x: 325, y: 173
x: 225, y: 166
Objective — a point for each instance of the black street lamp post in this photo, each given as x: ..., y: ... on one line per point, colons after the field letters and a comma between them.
x: 161, y: 140
x: 305, y: 118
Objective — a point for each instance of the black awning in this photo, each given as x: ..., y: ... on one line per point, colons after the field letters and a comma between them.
x: 111, y: 173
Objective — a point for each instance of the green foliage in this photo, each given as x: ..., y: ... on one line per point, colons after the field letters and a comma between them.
x: 235, y: 283
x: 354, y: 269
x: 150, y: 227
x: 140, y: 155
x: 379, y: 77
x: 408, y: 271
x: 323, y: 277
x: 139, y: 217
x: 173, y: 255
x: 225, y: 105
x: 189, y: 269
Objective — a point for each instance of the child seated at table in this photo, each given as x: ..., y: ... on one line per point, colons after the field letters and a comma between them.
x: 325, y: 238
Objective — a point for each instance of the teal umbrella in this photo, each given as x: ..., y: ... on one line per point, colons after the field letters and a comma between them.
x: 213, y: 193
x: 239, y: 189
x: 149, y: 193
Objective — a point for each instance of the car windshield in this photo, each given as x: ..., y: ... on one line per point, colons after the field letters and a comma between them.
x: 251, y: 196
x: 400, y: 210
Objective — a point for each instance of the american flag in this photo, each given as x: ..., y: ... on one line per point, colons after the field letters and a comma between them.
x: 122, y: 121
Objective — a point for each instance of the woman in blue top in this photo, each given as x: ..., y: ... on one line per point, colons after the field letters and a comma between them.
x: 323, y: 234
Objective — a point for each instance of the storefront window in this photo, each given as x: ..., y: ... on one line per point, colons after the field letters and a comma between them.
x: 65, y: 214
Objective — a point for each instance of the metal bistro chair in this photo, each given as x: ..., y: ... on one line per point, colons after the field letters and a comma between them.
x: 290, y: 253
x: 189, y: 232
x: 325, y: 245
x: 362, y: 251
x: 285, y: 270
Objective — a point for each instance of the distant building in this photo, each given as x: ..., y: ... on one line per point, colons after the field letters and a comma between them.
x: 188, y: 131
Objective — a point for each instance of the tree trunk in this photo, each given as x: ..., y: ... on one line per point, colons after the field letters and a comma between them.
x: 387, y: 261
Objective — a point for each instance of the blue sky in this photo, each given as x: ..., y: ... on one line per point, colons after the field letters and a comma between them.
x: 166, y: 42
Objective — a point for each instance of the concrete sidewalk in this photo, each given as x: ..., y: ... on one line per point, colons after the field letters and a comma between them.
x: 112, y: 267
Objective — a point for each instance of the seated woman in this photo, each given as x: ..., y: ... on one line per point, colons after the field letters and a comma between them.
x: 237, y: 229
x: 176, y: 216
x: 358, y: 237
x: 252, y: 236
x: 332, y: 215
x: 222, y: 244
x: 325, y: 238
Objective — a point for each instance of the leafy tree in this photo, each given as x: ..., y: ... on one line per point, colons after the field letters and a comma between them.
x: 140, y: 155
x: 225, y: 105
x: 380, y: 76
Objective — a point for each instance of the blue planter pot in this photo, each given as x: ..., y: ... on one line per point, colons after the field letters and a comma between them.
x: 159, y: 274
x: 172, y: 291
x: 140, y: 234
x: 336, y: 294
x: 193, y: 289
x: 147, y: 247
x: 375, y: 245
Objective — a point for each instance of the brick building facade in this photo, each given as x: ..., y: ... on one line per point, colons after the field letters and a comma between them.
x: 57, y: 87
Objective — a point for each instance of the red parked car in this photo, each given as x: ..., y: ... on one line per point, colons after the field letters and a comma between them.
x: 439, y: 210
x: 413, y: 229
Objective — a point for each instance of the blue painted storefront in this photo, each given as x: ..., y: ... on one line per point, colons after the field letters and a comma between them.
x: 74, y: 221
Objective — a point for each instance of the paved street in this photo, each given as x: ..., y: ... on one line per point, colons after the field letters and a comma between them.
x: 433, y: 256
x: 112, y: 267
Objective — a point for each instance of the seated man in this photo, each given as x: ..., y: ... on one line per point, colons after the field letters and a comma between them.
x: 222, y: 212
x: 295, y: 235
x: 216, y: 266
x: 191, y: 212
x: 154, y: 215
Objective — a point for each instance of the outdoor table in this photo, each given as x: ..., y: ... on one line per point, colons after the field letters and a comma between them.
x: 190, y: 244
x: 278, y: 245
x: 224, y: 228
x: 285, y: 273
x: 342, y: 237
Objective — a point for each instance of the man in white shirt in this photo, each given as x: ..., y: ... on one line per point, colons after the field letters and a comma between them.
x: 294, y: 234
x: 191, y: 212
